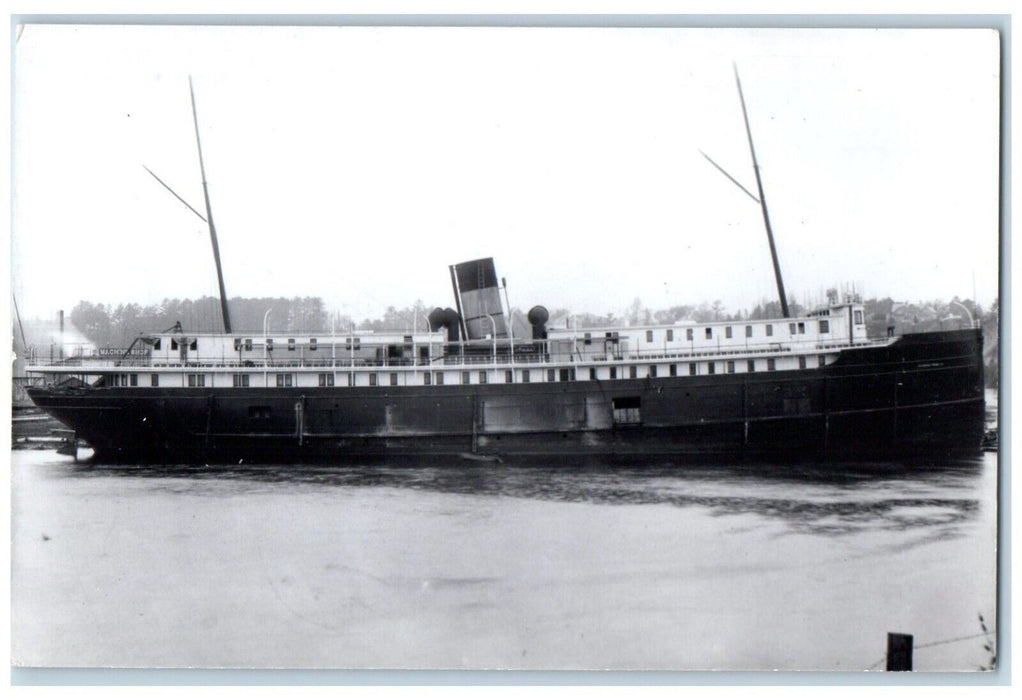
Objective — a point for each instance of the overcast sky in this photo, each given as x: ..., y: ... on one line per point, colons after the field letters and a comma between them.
x: 355, y: 164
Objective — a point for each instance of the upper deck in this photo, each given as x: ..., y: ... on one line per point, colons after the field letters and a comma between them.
x: 365, y: 358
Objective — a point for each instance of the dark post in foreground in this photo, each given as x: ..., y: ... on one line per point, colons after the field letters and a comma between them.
x: 899, y: 652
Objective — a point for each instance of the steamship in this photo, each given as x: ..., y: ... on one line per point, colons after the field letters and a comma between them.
x: 466, y: 387
x: 813, y: 385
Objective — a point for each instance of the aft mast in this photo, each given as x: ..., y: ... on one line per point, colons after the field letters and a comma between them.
x: 209, y: 218
x: 762, y: 202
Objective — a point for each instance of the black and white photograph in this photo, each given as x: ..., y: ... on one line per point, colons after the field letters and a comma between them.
x: 559, y: 348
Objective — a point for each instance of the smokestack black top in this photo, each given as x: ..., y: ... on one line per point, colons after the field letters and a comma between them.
x: 476, y: 274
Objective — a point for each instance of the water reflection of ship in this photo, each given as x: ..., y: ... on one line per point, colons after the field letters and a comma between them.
x: 828, y: 500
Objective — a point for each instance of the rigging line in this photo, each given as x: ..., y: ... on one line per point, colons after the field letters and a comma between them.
x: 179, y: 197
x: 728, y: 176
x: 955, y: 639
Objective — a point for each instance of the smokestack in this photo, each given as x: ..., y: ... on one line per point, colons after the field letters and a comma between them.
x: 478, y: 299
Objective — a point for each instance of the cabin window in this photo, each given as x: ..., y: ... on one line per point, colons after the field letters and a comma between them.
x: 393, y: 378
x: 114, y: 380
x: 248, y: 343
x: 567, y: 375
x: 290, y: 343
x: 269, y: 345
x: 240, y: 380
x: 133, y: 379
x: 551, y: 376
x: 821, y: 361
x: 752, y: 365
x: 237, y: 343
x: 801, y: 327
x: 259, y: 411
x: 824, y: 326
x: 670, y: 335
x: 730, y: 366
x: 483, y: 379
x: 748, y: 331
x: 770, y: 329
x: 349, y: 378
x: 312, y: 344
x: 154, y: 380
x: 709, y: 333
x: 173, y: 344
x: 858, y: 317
x: 285, y: 380
x: 194, y: 345
x: 156, y: 344
x: 711, y: 367
x: 727, y: 331
x: 613, y: 372
x: 374, y: 379
x: 633, y: 372
x: 439, y: 378
x: 196, y: 380
x: 427, y: 379
x: 326, y: 379
x: 791, y: 329
x: 509, y: 376
x: 771, y: 364
x: 688, y: 334
x: 588, y: 339
x: 692, y: 369
x: 649, y: 336
x: 592, y: 373
x: 801, y: 361
x: 673, y: 370
x: 466, y: 378
x: 652, y: 371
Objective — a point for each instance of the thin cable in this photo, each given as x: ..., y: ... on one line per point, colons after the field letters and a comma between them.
x: 933, y: 644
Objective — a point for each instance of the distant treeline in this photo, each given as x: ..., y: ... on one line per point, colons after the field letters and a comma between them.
x: 117, y: 326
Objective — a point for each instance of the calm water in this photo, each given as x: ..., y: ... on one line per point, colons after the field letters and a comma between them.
x: 489, y: 566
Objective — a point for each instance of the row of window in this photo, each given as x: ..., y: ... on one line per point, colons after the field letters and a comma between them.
x: 711, y: 367
x: 552, y: 375
x: 246, y: 343
x: 174, y: 345
x: 794, y: 328
x: 122, y: 380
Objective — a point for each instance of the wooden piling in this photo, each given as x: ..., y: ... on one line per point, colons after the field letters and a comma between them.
x: 899, y: 652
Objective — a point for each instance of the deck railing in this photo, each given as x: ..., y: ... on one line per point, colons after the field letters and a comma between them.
x: 456, y: 356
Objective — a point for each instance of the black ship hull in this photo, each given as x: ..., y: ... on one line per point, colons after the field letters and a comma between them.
x: 921, y: 395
